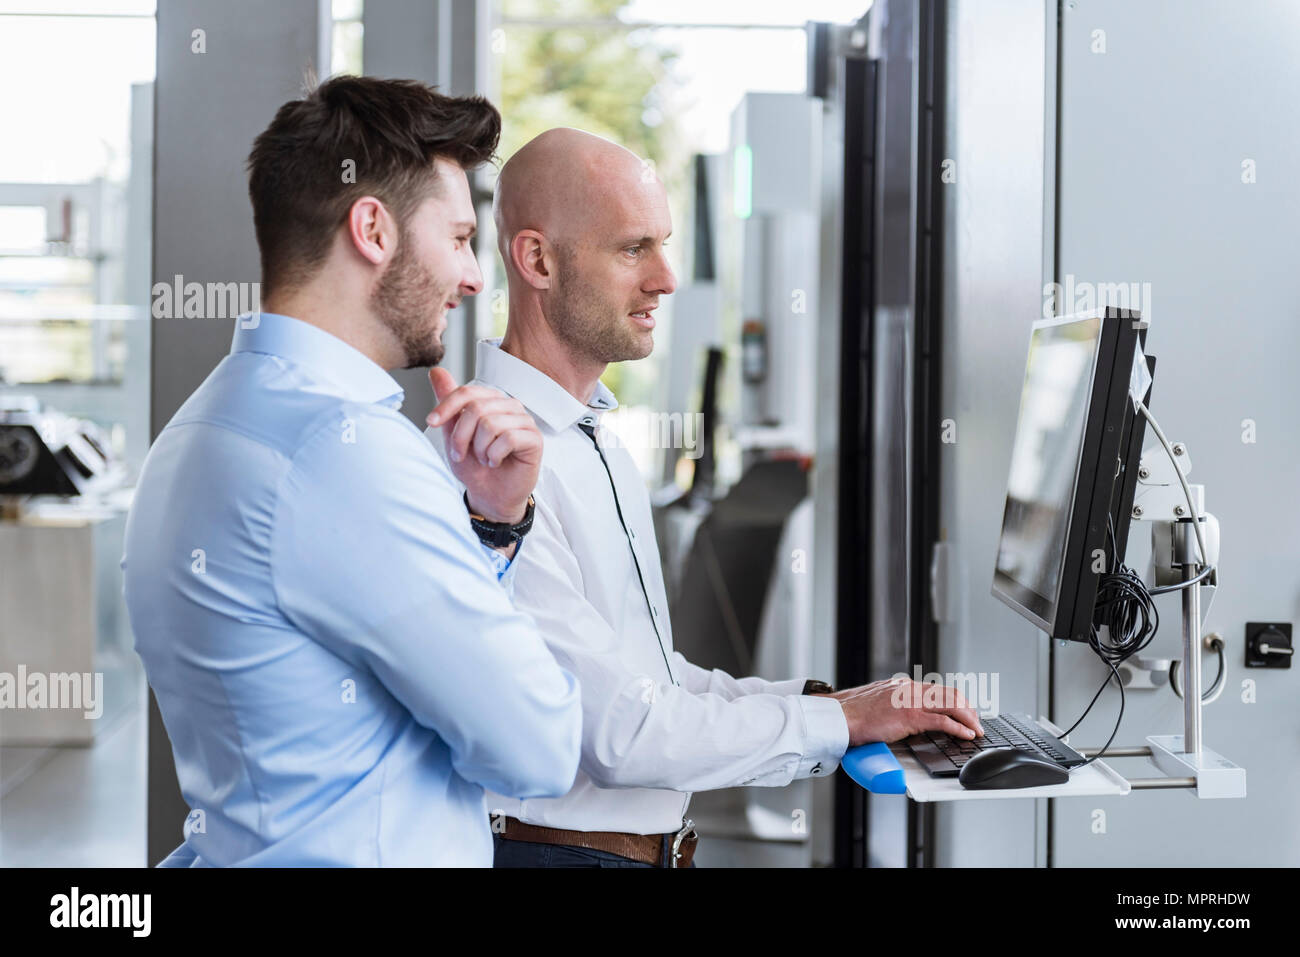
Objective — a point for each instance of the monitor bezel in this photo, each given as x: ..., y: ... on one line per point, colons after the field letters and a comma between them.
x: 1126, y: 479
x: 1103, y: 432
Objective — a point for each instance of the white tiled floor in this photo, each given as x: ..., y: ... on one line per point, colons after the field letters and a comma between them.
x: 80, y: 807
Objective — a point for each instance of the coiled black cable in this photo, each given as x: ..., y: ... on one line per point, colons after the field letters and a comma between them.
x: 1128, y: 614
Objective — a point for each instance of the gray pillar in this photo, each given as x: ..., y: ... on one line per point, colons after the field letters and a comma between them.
x: 209, y: 106
x: 435, y: 42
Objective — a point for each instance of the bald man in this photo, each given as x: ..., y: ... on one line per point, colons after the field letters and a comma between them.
x: 581, y: 226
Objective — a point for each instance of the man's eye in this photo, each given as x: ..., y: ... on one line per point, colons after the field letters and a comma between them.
x: 633, y: 251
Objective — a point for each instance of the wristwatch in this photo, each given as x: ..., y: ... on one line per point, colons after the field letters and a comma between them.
x: 813, y: 686
x: 500, y: 534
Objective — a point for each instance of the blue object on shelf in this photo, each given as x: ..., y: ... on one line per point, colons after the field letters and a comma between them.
x: 875, y: 768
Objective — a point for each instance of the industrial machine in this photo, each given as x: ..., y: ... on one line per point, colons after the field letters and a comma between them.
x: 43, y: 452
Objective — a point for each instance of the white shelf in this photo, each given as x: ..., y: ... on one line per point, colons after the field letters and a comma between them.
x: 1094, y: 780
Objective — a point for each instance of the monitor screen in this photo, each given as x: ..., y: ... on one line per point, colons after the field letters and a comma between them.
x: 1045, y: 460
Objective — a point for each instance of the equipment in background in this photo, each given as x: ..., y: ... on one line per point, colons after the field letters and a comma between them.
x: 727, y: 547
x: 772, y: 286
x: 728, y: 569
x: 43, y: 452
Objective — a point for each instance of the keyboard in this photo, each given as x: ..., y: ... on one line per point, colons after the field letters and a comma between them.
x: 944, y: 756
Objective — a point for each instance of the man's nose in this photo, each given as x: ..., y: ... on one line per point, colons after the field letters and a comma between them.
x: 471, y: 284
x: 663, y: 281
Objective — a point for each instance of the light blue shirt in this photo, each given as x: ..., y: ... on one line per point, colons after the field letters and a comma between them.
x: 339, y: 671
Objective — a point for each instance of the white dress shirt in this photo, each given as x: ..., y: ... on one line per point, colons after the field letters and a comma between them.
x: 655, y: 726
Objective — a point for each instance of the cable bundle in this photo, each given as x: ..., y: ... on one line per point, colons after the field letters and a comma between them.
x: 1127, y: 609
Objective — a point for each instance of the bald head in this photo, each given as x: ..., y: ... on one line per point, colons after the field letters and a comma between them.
x: 565, y: 184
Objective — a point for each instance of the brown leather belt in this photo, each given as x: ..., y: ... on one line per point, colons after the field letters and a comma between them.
x: 645, y: 848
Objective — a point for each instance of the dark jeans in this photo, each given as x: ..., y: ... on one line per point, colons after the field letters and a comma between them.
x: 528, y: 854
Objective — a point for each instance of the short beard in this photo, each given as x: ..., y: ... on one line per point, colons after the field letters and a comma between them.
x: 406, y: 301
x: 580, y: 318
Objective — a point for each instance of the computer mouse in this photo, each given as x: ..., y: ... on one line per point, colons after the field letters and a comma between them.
x: 1010, y: 768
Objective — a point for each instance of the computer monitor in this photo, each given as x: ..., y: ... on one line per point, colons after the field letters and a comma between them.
x: 1073, y: 468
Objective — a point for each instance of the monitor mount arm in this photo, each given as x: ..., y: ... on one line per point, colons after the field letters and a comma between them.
x: 1176, y: 558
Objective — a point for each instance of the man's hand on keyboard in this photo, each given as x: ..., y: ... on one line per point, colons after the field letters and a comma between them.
x: 898, y: 708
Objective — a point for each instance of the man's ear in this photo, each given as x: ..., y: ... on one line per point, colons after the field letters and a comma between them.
x: 533, y: 257
x: 371, y: 229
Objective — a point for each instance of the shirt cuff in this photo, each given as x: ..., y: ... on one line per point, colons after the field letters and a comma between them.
x: 788, y: 687
x: 500, y: 564
x: 827, y: 735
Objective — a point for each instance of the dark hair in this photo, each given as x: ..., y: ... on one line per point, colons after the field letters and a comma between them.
x: 391, y: 130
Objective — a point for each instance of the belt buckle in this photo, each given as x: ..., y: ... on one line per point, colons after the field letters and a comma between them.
x: 687, y: 832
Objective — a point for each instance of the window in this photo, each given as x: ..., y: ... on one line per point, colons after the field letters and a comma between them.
x: 74, y: 235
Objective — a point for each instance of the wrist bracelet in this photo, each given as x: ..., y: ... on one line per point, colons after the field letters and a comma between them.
x: 499, y: 534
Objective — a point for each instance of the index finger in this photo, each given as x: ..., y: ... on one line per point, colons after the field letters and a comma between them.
x: 952, y: 703
x: 967, y: 716
x: 451, y: 406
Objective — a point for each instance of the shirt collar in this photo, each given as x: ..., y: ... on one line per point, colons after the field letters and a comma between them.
x: 539, y: 393
x: 350, y: 373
